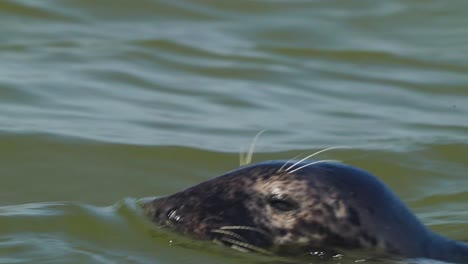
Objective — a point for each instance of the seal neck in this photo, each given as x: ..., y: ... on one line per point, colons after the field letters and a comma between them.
x: 445, y: 249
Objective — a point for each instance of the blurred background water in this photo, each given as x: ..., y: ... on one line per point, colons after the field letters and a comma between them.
x: 105, y: 102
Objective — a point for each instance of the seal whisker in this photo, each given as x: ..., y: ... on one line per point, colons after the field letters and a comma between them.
x: 241, y: 157
x: 286, y: 163
x: 228, y: 233
x: 311, y: 155
x: 248, y: 156
x: 242, y: 246
x: 312, y: 163
x: 249, y: 228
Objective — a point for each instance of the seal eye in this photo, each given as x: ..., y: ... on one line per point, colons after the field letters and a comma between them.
x: 282, y: 205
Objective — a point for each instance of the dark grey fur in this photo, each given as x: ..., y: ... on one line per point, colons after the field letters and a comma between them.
x: 323, y: 207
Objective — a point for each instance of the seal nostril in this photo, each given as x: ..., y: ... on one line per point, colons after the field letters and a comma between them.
x: 163, y: 211
x: 173, y: 215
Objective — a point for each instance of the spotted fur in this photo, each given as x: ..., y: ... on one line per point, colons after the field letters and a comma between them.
x: 272, y: 207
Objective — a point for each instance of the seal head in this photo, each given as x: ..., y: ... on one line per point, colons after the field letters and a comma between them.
x: 321, y: 207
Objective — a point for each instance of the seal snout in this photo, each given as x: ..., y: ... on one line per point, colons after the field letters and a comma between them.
x: 163, y: 211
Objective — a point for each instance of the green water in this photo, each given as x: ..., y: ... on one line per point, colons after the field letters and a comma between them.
x: 106, y: 102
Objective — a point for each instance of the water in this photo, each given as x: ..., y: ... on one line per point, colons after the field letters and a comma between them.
x: 106, y: 102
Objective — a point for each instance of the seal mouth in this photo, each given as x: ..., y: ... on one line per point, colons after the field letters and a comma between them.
x: 240, y: 237
x: 230, y: 236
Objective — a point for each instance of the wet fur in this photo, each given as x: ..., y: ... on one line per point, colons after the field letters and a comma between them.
x: 338, y: 207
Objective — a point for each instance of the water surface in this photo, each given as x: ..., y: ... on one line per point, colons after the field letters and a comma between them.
x: 106, y: 102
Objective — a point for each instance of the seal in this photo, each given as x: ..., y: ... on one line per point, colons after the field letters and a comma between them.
x: 298, y: 207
